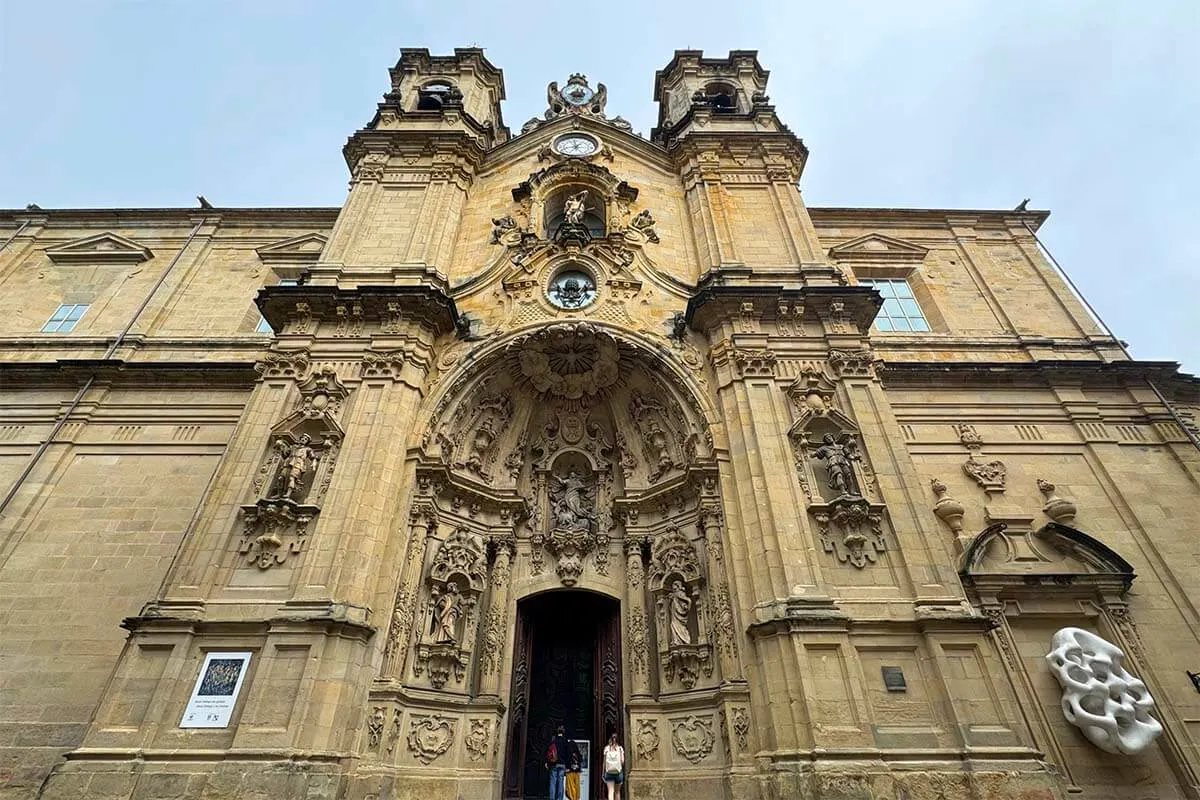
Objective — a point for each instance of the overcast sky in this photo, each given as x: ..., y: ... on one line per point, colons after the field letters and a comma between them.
x: 1090, y: 109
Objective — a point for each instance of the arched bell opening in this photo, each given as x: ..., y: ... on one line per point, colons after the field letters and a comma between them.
x: 720, y: 96
x: 434, y: 95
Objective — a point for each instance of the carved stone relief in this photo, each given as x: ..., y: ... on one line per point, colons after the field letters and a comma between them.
x: 741, y: 728
x: 693, y: 738
x: 852, y: 530
x: 646, y: 739
x: 478, y: 738
x: 429, y: 737
x: 989, y: 475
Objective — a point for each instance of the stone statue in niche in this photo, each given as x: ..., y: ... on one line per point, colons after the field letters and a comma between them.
x: 447, y: 608
x: 297, y: 460
x: 838, y: 458
x: 572, y: 502
x: 680, y: 611
x: 575, y: 208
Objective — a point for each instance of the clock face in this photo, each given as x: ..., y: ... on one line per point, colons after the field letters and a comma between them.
x: 576, y: 145
x: 576, y: 94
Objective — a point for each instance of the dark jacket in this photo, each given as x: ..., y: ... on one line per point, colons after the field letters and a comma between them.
x: 566, y: 748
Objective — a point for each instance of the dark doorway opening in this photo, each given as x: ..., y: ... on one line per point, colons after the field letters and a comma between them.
x: 566, y: 671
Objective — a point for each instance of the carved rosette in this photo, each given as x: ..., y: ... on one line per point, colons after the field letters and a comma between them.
x: 693, y: 738
x: 430, y: 737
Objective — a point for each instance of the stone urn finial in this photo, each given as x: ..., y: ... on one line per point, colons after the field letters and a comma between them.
x: 948, y: 510
x: 1057, y: 508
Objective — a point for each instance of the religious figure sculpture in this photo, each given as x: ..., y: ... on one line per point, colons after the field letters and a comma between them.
x: 837, y: 458
x: 298, y: 459
x: 446, y: 610
x: 570, y: 501
x: 501, y: 227
x: 680, y: 608
x: 574, y: 208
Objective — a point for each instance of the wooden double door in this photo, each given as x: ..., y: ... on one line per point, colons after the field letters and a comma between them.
x: 566, y: 671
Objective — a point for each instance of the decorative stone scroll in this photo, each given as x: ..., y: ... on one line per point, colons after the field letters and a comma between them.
x: 990, y: 475
x: 1100, y: 697
x: 851, y: 529
x: 457, y: 578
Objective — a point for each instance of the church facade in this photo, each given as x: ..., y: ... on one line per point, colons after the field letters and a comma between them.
x: 575, y: 426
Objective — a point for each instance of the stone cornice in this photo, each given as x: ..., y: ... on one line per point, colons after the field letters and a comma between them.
x: 1038, y: 373
x: 714, y: 302
x: 934, y: 217
x: 403, y: 141
x: 431, y: 306
x: 71, y: 373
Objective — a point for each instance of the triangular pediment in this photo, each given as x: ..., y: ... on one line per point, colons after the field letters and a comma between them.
x: 101, y: 248
x: 877, y: 247
x: 304, y: 248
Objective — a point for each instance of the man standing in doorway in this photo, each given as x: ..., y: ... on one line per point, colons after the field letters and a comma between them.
x: 558, y: 755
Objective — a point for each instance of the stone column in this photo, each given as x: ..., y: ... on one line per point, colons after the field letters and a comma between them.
x: 723, y: 621
x: 423, y: 525
x: 638, y: 639
x: 496, y: 622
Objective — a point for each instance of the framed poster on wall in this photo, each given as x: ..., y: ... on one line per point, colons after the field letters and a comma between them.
x: 216, y: 690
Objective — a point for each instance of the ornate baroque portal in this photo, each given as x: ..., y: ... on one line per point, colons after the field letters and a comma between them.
x: 564, y: 458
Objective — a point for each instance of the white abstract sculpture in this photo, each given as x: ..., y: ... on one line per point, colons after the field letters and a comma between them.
x: 1109, y: 705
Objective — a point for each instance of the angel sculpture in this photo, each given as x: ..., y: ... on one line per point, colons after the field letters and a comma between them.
x: 572, y: 503
x: 574, y: 208
x: 599, y: 99
x: 554, y: 103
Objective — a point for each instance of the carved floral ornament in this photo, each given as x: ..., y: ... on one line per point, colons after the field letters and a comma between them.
x: 569, y: 360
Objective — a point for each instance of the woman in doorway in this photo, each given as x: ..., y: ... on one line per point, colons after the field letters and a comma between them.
x: 614, y: 767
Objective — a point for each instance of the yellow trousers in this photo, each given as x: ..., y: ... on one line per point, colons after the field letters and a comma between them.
x: 572, y: 786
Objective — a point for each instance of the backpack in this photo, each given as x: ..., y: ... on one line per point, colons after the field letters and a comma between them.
x: 552, y: 753
x: 612, y: 760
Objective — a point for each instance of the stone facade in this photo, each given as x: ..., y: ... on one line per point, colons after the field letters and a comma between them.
x: 836, y: 555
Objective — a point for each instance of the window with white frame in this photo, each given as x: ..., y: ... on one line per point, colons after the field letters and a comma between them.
x: 900, y: 313
x: 65, y: 318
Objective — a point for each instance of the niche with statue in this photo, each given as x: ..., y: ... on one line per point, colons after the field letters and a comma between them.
x: 455, y: 583
x: 295, y: 473
x: 676, y: 583
x: 834, y: 473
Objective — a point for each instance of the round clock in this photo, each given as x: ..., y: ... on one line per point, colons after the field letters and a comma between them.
x: 577, y: 94
x: 574, y: 144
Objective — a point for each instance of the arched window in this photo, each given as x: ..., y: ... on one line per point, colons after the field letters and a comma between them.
x: 432, y: 96
x: 721, y: 97
x: 593, y: 217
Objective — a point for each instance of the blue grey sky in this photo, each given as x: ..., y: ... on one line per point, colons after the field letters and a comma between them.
x: 1090, y: 109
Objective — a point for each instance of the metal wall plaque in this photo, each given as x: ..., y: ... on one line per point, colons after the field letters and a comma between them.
x: 216, y: 691
x: 893, y: 679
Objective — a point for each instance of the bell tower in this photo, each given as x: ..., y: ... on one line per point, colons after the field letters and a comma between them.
x: 461, y: 91
x: 726, y: 94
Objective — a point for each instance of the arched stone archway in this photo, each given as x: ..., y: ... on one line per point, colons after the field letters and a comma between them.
x: 569, y: 460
